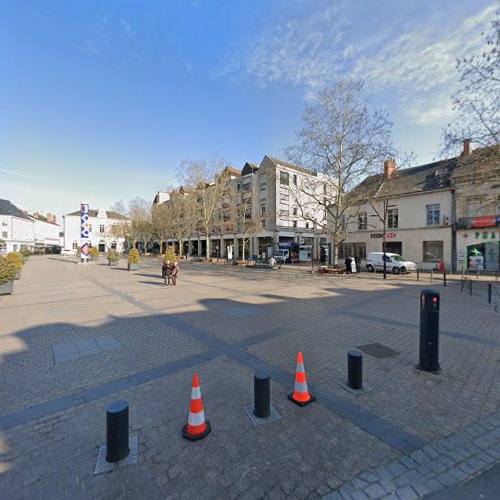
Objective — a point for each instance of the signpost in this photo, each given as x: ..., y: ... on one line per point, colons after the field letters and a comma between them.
x: 84, y: 231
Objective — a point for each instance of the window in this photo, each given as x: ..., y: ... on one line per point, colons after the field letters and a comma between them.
x: 113, y: 245
x: 284, y: 178
x: 295, y: 179
x: 307, y: 225
x: 433, y: 251
x: 362, y: 221
x: 4, y: 234
x: 238, y: 186
x: 283, y: 197
x: 101, y: 228
x: 294, y: 210
x: 433, y: 214
x: 294, y: 223
x: 262, y: 209
x: 284, y: 213
x: 263, y: 222
x: 392, y: 218
x: 247, y: 186
x: 4, y: 224
x: 75, y: 245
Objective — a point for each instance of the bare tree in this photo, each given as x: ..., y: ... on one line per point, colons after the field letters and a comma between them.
x: 210, y: 181
x: 342, y: 142
x: 477, y: 101
x: 160, y: 229
x: 181, y: 216
x: 135, y: 224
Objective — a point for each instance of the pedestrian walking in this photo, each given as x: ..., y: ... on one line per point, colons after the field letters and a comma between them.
x: 348, y: 265
x: 175, y: 272
x: 166, y: 272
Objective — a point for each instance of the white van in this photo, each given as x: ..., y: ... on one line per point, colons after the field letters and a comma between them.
x: 282, y: 256
x: 394, y: 263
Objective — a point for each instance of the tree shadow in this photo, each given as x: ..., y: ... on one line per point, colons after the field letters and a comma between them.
x: 151, y: 283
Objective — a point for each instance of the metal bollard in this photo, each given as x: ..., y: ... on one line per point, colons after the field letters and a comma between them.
x: 355, y: 370
x: 490, y: 289
x: 429, y: 331
x: 432, y: 275
x: 444, y: 278
x: 117, y: 431
x: 418, y: 274
x: 470, y: 287
x: 261, y: 394
x: 462, y: 283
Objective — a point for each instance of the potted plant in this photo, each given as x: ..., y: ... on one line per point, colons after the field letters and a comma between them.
x: 16, y: 259
x: 7, y: 276
x: 133, y: 260
x: 94, y: 253
x: 113, y: 257
x: 25, y: 253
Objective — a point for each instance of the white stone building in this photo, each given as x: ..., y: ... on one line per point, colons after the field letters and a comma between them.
x: 100, y: 224
x: 16, y: 229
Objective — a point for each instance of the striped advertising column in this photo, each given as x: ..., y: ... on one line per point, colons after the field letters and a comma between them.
x: 84, y: 231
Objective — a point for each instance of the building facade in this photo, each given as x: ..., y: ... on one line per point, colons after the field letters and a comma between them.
x: 101, y: 234
x: 443, y: 212
x: 18, y: 230
x: 270, y: 195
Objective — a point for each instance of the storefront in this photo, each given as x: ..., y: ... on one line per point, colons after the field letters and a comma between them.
x: 478, y: 249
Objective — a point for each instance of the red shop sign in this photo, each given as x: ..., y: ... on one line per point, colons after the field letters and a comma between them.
x: 484, y: 221
x: 391, y: 235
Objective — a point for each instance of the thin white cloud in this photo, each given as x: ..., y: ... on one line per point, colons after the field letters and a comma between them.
x: 23, y: 176
x: 321, y: 45
x: 126, y: 27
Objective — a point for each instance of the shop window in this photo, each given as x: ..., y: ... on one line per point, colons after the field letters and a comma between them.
x: 432, y: 251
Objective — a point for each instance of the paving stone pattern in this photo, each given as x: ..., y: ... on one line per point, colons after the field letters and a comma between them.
x: 439, y: 464
x: 140, y: 341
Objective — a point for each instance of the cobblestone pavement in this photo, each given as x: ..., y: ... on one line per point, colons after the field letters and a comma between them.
x: 75, y: 338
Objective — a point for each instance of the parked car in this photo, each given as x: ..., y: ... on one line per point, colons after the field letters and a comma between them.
x: 395, y: 263
x: 68, y: 251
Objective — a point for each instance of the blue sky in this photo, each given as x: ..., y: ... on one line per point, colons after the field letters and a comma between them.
x: 102, y: 100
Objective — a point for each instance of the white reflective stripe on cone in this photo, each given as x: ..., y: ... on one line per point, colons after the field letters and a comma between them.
x: 195, y: 393
x: 196, y: 418
x: 301, y: 386
x: 300, y: 367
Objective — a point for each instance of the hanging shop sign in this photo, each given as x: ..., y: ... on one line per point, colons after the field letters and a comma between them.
x: 484, y: 221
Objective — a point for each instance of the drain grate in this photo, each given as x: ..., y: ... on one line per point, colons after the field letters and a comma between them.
x: 378, y: 351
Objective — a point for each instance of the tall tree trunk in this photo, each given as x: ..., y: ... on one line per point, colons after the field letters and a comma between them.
x: 243, y: 256
x: 207, y: 251
x: 180, y: 248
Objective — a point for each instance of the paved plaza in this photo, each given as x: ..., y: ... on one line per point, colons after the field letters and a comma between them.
x: 75, y: 338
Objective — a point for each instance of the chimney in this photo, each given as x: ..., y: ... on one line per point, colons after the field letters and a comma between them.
x: 36, y: 215
x: 466, y: 151
x: 389, y: 168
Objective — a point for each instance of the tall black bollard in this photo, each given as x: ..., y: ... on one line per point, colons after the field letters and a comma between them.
x: 470, y: 287
x: 432, y: 275
x: 355, y: 370
x: 429, y: 331
x: 462, y: 283
x: 261, y: 394
x: 444, y: 278
x: 418, y: 274
x: 490, y: 289
x: 117, y: 431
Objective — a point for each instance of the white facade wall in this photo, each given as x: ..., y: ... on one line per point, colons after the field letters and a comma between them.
x: 17, y: 233
x: 46, y: 234
x: 99, y: 232
x: 412, y: 230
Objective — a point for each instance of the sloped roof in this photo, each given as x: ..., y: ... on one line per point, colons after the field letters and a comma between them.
x: 93, y: 213
x: 433, y: 176
x: 249, y: 168
x: 7, y: 208
x: 291, y: 166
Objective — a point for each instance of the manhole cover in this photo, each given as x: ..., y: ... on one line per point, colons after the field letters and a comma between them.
x: 320, y: 293
x: 378, y: 351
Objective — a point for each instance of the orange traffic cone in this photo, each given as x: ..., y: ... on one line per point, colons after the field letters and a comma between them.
x: 197, y: 427
x: 301, y: 395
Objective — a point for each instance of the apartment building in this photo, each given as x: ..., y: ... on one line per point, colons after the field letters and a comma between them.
x: 100, y: 234
x: 270, y: 194
x: 441, y: 212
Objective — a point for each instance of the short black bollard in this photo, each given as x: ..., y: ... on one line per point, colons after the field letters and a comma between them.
x: 117, y: 431
x: 444, y: 278
x: 432, y: 275
x: 462, y: 283
x: 261, y: 394
x: 418, y: 274
x: 429, y: 331
x: 490, y: 289
x: 355, y: 370
x: 470, y: 287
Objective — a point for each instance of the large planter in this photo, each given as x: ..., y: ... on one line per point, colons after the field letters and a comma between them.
x: 113, y: 262
x: 7, y: 288
x: 133, y: 267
